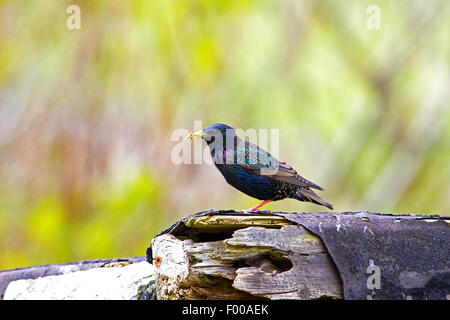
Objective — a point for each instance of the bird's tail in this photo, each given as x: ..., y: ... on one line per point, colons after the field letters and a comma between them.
x: 303, y: 194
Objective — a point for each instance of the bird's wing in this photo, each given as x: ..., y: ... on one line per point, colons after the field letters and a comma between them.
x: 261, y: 162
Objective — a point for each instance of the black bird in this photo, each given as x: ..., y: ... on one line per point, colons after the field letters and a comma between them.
x: 253, y: 170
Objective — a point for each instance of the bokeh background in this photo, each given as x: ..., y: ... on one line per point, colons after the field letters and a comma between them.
x: 86, y: 116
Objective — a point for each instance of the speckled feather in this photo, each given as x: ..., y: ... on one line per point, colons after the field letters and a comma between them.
x: 257, y: 173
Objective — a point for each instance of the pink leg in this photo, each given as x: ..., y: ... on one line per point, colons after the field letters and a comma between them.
x: 259, y: 205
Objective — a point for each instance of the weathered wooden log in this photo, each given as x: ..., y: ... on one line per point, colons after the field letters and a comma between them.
x: 264, y: 255
x: 244, y: 257
x: 123, y: 278
x: 236, y: 255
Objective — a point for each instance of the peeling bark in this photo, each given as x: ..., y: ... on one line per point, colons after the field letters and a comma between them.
x: 244, y: 257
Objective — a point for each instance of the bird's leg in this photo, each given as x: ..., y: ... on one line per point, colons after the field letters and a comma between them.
x: 259, y: 205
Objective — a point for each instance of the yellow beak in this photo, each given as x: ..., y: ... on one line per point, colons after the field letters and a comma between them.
x: 193, y: 135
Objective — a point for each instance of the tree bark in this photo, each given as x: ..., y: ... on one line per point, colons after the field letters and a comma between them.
x: 227, y: 254
x: 244, y: 257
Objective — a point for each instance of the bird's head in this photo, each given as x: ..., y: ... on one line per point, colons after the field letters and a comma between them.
x: 212, y: 132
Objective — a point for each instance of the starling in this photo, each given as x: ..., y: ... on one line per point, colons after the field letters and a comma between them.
x: 254, y: 171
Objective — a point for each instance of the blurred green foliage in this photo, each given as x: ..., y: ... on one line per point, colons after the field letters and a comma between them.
x: 86, y: 115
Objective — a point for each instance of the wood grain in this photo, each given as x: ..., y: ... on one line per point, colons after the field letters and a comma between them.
x: 250, y: 257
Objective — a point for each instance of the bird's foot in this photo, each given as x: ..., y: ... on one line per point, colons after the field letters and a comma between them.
x: 259, y: 205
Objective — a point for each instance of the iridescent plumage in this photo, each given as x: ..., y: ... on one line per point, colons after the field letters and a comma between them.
x: 253, y: 170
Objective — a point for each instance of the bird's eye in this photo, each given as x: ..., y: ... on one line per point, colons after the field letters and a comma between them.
x: 158, y: 261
